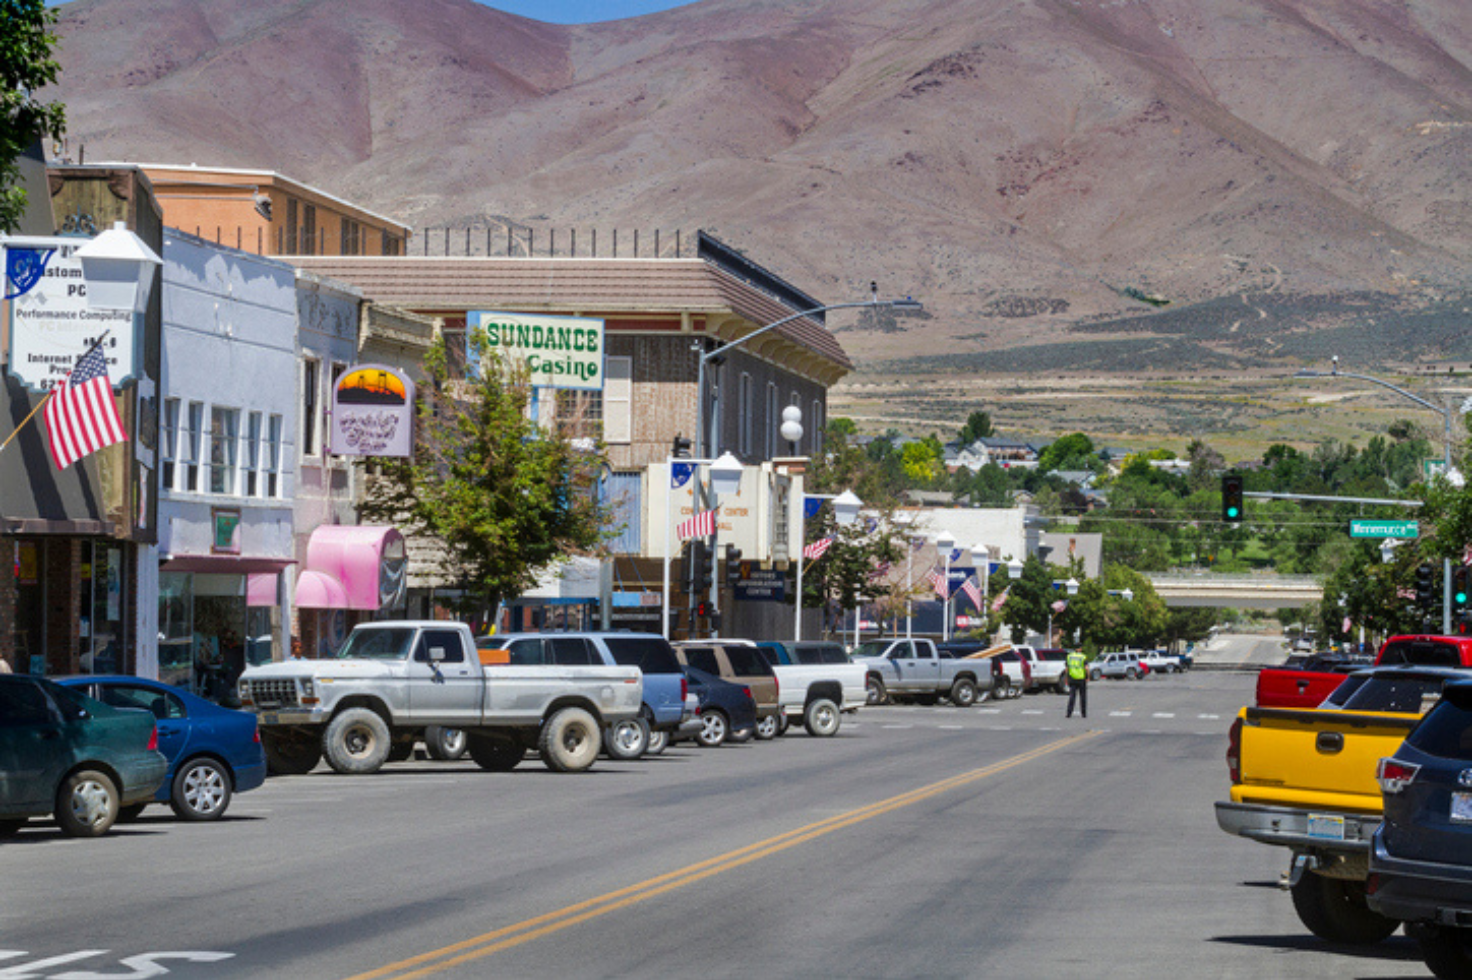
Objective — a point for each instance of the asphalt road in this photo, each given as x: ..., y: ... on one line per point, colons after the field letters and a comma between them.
x: 998, y: 841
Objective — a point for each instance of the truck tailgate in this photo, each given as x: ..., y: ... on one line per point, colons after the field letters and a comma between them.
x: 1319, y: 759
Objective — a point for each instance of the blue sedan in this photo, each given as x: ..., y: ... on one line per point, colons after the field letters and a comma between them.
x: 213, y: 752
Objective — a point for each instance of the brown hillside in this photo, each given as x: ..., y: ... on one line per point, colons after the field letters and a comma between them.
x: 1280, y: 169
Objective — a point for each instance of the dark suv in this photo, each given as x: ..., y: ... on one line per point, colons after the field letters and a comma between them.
x: 1421, y: 859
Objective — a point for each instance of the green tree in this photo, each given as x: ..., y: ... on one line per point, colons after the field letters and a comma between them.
x: 978, y: 426
x: 507, y: 497
x: 26, y: 64
x: 1071, y: 452
x: 924, y: 461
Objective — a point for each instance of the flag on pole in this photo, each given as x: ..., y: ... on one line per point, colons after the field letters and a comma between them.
x: 702, y: 525
x: 818, y: 548
x: 1345, y: 628
x: 973, y: 591
x: 1059, y: 606
x: 938, y: 582
x: 880, y: 570
x: 81, y: 416
x: 680, y: 474
x: 1001, y: 599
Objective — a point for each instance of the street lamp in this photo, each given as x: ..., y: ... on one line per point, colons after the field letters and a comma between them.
x: 1446, y: 420
x: 707, y: 356
x: 945, y: 543
x: 118, y: 268
x: 1070, y: 585
x: 725, y: 477
x: 983, y: 552
x: 845, y: 511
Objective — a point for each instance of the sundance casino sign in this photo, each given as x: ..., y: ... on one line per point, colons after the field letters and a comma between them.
x: 559, y: 351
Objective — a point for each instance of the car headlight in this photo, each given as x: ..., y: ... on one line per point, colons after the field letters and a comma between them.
x: 307, y: 687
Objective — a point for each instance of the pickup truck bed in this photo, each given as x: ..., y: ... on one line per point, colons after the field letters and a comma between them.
x: 1307, y: 687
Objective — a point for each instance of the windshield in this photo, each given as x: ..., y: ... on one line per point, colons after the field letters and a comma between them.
x: 379, y: 643
x: 652, y: 655
x: 872, y: 648
x: 1413, y: 695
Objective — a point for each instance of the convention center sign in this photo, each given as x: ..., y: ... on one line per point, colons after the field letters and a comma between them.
x: 559, y: 351
x: 373, y: 412
x: 51, y: 326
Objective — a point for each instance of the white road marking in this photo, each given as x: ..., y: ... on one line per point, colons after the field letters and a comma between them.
x: 1209, y: 717
x: 896, y: 726
x: 951, y: 728
x: 1031, y: 711
x: 1163, y: 714
x: 989, y: 711
x: 1120, y: 714
x: 1000, y: 728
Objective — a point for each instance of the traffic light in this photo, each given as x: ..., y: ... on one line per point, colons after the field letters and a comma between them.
x: 1232, y: 506
x: 1426, y: 585
x: 733, y: 567
x: 700, y: 570
x: 1461, y: 591
x: 681, y: 447
x: 703, y: 608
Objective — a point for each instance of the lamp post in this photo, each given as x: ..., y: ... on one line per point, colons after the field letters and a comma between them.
x: 725, y: 477
x: 1071, y: 586
x: 707, y: 356
x: 984, y: 552
x: 845, y: 511
x: 1446, y: 424
x: 945, y: 543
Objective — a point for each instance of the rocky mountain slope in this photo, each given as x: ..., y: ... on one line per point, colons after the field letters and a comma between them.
x: 1291, y: 174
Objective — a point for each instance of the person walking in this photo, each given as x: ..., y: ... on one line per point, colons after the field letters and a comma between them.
x: 1078, y: 682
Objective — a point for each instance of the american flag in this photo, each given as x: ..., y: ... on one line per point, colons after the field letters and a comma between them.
x: 81, y: 416
x: 973, y: 591
x: 818, y: 548
x: 1001, y: 599
x: 1406, y: 593
x: 1059, y: 606
x: 880, y: 570
x: 939, y: 583
x: 702, y: 525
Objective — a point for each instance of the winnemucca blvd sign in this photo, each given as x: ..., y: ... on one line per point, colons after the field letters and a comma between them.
x: 559, y: 351
x: 1384, y: 529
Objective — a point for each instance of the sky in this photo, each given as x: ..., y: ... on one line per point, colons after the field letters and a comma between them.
x: 582, y: 11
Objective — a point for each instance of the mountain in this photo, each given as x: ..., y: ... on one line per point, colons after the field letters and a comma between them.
x: 1292, y: 175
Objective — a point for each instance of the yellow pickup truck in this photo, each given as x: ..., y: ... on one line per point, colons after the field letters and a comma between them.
x: 1304, y: 779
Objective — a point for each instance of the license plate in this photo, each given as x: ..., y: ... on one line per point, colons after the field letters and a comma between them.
x: 270, y: 718
x: 1324, y: 826
x: 1462, y: 808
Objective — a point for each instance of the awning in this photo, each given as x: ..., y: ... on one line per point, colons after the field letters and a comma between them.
x: 224, y: 564
x: 351, y: 566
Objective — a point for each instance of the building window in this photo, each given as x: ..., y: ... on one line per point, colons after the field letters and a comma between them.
x: 170, y: 448
x: 194, y: 436
x: 310, y: 370
x: 338, y: 369
x: 291, y: 226
x: 252, y: 454
x: 743, y: 413
x: 392, y: 244
x: 224, y: 440
x: 309, y: 229
x: 352, y: 234
x: 273, y: 457
x: 774, y: 420
x: 816, y: 442
x: 618, y: 400
x: 580, y: 414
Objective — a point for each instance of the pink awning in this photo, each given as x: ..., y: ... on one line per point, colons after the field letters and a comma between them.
x: 260, y: 588
x: 318, y: 590
x: 352, y: 566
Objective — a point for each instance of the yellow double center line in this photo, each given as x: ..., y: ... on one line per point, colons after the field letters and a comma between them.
x: 488, y: 943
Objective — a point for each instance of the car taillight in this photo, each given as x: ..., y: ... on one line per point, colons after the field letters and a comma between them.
x: 153, y: 739
x: 255, y: 734
x: 684, y: 688
x: 747, y: 692
x: 1234, y: 752
x: 776, y: 688
x: 1394, y: 775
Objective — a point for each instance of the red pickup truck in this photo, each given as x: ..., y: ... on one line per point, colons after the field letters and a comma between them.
x: 1287, y: 687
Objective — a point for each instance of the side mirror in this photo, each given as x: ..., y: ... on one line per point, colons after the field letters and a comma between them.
x: 436, y: 655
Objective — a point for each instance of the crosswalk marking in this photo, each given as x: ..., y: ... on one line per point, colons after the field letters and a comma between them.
x: 1120, y: 714
x: 1031, y: 711
x: 1163, y: 714
x: 1209, y: 717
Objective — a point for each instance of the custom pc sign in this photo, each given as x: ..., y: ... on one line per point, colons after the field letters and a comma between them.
x: 559, y: 351
x: 51, y: 326
x: 373, y: 412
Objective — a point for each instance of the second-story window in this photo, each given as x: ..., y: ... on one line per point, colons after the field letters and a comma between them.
x: 310, y: 370
x: 273, y: 457
x: 194, y: 439
x: 774, y: 420
x: 252, y: 454
x: 224, y: 436
x: 170, y: 447
x: 309, y: 229
x: 743, y: 412
x: 292, y: 227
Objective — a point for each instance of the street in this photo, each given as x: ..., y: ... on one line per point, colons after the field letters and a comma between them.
x: 1002, y: 840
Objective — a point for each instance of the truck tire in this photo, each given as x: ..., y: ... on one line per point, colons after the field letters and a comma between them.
x: 1095, y: 675
x: 1334, y: 909
x: 716, y: 728
x: 87, y: 804
x: 963, y: 692
x: 201, y: 790
x: 821, y: 718
x: 570, y: 740
x: 1447, y: 950
x: 1131, y: 673
x: 874, y: 692
x: 444, y: 744
x: 1002, y: 690
x: 658, y: 742
x: 626, y: 740
x: 767, y: 728
x: 357, y: 741
x: 495, y: 753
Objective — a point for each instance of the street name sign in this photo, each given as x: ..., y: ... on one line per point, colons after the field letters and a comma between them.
x: 1384, y: 529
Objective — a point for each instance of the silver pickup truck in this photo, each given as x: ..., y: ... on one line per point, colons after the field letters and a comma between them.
x: 902, y: 668
x: 392, y: 680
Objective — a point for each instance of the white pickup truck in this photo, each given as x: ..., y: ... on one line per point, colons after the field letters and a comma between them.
x: 816, y: 683
x: 913, y: 668
x: 1049, y: 668
x: 392, y: 680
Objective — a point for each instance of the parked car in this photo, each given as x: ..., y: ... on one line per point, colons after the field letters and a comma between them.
x: 727, y: 711
x: 1116, y: 665
x: 213, y: 752
x: 1421, y: 855
x: 1161, y: 662
x: 818, y: 684
x: 739, y: 663
x: 64, y: 754
x: 1009, y: 673
x: 912, y: 668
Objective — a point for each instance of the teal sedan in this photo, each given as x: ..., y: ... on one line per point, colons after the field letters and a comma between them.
x: 64, y: 754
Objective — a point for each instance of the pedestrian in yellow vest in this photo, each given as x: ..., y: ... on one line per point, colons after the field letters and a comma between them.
x: 1078, y: 682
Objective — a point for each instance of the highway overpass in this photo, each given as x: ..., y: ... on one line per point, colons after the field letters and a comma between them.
x: 1237, y: 591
